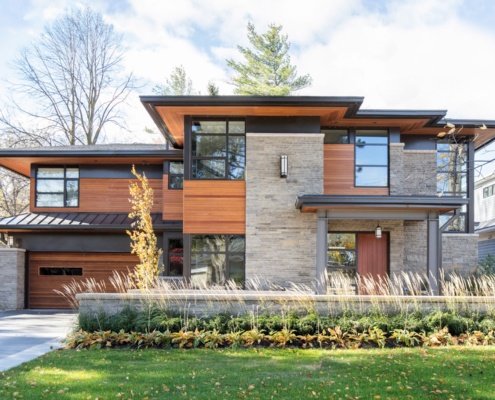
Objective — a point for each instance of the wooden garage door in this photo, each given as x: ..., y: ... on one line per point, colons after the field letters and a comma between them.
x: 46, y: 273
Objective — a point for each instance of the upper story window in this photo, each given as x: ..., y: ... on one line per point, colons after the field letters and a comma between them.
x: 489, y: 191
x: 336, y: 136
x: 218, y: 149
x: 57, y: 187
x: 452, y: 160
x: 176, y: 175
x: 371, y: 158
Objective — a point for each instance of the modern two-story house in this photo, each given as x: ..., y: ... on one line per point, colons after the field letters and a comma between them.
x: 289, y: 189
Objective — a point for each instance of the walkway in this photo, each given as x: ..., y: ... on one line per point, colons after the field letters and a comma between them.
x: 28, y: 334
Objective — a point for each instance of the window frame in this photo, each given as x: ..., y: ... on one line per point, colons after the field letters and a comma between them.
x: 224, y: 158
x: 168, y: 254
x: 228, y: 252
x: 354, y: 250
x: 171, y: 175
x: 356, y: 165
x: 65, y: 180
x: 462, y: 171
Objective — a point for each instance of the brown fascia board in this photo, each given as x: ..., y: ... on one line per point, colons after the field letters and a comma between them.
x: 151, y: 102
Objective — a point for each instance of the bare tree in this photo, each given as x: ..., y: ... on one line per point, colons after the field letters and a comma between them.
x: 71, y: 83
x: 14, y: 193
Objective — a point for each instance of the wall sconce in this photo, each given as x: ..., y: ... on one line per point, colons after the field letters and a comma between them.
x: 378, y: 231
x: 284, y: 166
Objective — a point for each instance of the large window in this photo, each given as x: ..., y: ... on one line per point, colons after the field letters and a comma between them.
x: 341, y: 253
x: 218, y: 149
x: 215, y: 259
x: 371, y: 158
x: 452, y: 160
x: 57, y: 187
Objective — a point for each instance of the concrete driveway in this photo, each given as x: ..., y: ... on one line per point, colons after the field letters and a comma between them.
x: 27, y: 334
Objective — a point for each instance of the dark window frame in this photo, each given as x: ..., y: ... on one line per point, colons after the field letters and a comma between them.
x: 227, y: 253
x: 49, y: 271
x: 65, y: 179
x: 171, y: 175
x: 463, y: 172
x: 345, y: 268
x: 387, y: 166
x: 168, y: 254
x: 225, y: 157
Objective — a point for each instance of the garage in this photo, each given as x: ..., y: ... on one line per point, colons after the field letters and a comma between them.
x: 49, y: 271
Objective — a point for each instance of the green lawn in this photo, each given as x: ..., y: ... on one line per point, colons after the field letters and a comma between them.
x: 433, y: 373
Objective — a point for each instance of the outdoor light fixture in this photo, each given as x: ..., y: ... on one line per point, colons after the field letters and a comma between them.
x: 378, y: 231
x: 11, y: 241
x: 284, y: 166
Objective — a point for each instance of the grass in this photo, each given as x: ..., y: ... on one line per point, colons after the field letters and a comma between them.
x: 444, y: 373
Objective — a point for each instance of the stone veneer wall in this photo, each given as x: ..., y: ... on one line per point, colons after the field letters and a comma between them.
x: 412, y: 172
x: 12, y: 275
x: 280, y: 240
x: 460, y: 253
x: 395, y: 230
x: 415, y: 249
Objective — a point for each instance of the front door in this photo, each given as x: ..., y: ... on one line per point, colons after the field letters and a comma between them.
x: 372, y: 256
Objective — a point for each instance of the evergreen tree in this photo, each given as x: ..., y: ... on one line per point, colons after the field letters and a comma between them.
x: 267, y: 70
x: 177, y: 85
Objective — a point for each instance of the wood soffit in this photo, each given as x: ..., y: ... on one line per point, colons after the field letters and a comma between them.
x: 409, y: 122
x: 22, y: 165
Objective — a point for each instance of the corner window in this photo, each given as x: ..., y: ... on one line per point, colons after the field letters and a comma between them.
x: 218, y: 149
x: 452, y: 175
x: 371, y: 158
x: 215, y: 259
x: 176, y: 175
x: 57, y: 187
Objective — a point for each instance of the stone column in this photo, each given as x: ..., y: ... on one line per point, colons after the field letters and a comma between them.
x: 12, y: 278
x: 280, y: 240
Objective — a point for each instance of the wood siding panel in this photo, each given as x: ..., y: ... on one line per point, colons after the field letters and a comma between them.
x: 103, y: 195
x: 99, y: 266
x: 215, y: 207
x: 338, y: 177
x: 172, y: 202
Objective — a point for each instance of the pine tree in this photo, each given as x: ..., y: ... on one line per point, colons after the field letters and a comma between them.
x: 178, y: 84
x: 267, y: 70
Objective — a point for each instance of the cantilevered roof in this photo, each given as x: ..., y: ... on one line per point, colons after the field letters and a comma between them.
x: 74, y: 221
x: 398, y: 205
x: 168, y: 112
x: 20, y: 160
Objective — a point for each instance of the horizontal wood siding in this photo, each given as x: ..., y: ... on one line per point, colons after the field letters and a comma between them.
x: 215, y: 207
x: 338, y: 177
x: 99, y: 266
x: 103, y: 195
x: 172, y: 202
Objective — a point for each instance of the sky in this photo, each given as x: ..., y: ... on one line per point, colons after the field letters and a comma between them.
x: 398, y: 54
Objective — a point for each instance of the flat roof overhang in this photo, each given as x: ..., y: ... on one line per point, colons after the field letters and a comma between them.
x: 20, y: 160
x: 168, y: 113
x: 414, y: 208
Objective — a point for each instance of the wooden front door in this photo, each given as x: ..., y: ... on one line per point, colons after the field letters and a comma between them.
x: 372, y: 255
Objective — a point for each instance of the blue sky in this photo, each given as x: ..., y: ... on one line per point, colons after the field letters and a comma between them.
x: 398, y: 54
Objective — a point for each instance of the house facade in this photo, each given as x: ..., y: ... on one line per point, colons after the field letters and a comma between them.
x: 484, y: 198
x: 285, y: 189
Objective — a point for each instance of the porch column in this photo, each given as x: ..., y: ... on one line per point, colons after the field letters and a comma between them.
x: 321, y: 252
x: 434, y: 253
